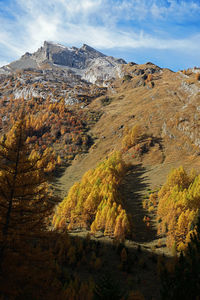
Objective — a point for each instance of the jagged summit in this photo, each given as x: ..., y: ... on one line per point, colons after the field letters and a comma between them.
x: 54, y: 47
x: 86, y: 62
x: 84, y: 47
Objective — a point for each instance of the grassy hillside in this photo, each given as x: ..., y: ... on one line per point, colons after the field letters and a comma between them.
x: 167, y: 112
x: 149, y: 119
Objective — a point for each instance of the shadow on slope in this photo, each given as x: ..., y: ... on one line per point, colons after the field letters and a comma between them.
x: 55, y: 179
x: 71, y: 261
x: 133, y: 188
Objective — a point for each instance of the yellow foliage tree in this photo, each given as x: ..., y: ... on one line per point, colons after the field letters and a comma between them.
x: 132, y: 136
x: 178, y: 207
x: 95, y: 202
x: 25, y: 201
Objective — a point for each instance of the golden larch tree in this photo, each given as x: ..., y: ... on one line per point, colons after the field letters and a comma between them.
x: 25, y: 201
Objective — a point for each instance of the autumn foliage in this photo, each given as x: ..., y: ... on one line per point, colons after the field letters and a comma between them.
x: 178, y: 207
x: 50, y: 124
x: 95, y: 202
x: 25, y: 200
x: 131, y: 137
x: 197, y: 76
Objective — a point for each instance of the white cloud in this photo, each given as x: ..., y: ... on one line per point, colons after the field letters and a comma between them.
x: 160, y: 8
x: 99, y: 23
x: 3, y: 63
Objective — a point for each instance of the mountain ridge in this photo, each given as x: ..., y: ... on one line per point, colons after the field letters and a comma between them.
x: 86, y: 62
x: 80, y: 114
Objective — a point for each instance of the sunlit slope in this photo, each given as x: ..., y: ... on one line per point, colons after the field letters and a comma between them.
x: 165, y: 104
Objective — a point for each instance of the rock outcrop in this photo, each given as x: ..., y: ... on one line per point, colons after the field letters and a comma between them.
x: 86, y: 62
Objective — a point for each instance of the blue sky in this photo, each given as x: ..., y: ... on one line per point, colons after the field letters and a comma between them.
x: 165, y: 32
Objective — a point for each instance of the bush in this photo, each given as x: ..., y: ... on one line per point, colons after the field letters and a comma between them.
x: 127, y: 77
x: 197, y: 76
x: 106, y: 101
x: 149, y: 77
x: 132, y: 137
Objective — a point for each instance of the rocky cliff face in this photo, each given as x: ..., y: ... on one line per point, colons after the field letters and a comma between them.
x: 78, y: 58
x: 86, y: 62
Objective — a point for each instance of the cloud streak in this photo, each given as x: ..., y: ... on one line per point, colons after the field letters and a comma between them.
x: 102, y: 24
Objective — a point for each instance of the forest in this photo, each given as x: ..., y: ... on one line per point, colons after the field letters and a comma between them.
x: 36, y: 261
x: 51, y: 125
x: 41, y: 259
x: 178, y: 207
x: 95, y: 203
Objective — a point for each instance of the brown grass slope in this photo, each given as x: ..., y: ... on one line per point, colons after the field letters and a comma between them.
x: 165, y: 104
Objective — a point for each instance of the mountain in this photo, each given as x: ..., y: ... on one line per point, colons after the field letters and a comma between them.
x: 84, y: 121
x: 80, y: 106
x: 165, y: 104
x: 86, y: 62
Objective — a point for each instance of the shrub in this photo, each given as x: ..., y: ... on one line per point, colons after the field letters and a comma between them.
x: 127, y: 77
x: 132, y: 137
x: 197, y: 76
x: 149, y: 77
x: 106, y: 101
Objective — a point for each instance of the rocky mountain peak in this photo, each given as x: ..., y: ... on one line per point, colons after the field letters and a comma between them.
x: 86, y: 62
x: 63, y: 55
x: 90, y: 50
